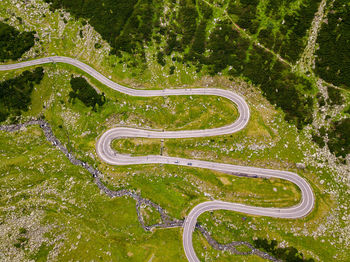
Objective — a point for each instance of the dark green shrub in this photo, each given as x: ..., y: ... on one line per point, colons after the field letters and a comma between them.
x: 320, y: 99
x: 339, y: 138
x: 98, y: 45
x: 15, y: 93
x: 334, y: 96
x: 22, y: 230
x: 333, y: 55
x: 13, y: 44
x: 160, y: 58
x: 246, y: 11
x: 288, y: 254
x: 172, y: 70
x: 318, y: 140
x: 85, y: 93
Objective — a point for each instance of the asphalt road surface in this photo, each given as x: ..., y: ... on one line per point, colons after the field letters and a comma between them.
x: 105, y: 152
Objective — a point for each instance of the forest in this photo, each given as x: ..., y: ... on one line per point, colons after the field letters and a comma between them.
x: 128, y: 26
x: 288, y: 254
x: 245, y: 10
x: 15, y: 93
x: 279, y: 85
x: 333, y: 55
x: 124, y: 24
x: 339, y: 138
x: 13, y: 44
x: 334, y: 96
x: 85, y: 93
x: 284, y: 33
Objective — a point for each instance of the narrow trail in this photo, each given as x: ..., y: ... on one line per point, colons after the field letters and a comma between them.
x: 105, y: 152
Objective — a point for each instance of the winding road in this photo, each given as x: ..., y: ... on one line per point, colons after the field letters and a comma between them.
x: 105, y: 152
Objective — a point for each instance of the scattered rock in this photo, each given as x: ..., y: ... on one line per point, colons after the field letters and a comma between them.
x: 300, y: 165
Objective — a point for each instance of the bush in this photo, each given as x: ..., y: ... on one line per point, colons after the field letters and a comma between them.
x: 347, y: 110
x: 181, y: 34
x: 13, y: 44
x: 172, y: 70
x: 334, y: 96
x: 320, y: 99
x: 288, y: 254
x: 198, y: 46
x: 22, y: 230
x: 15, y: 93
x: 205, y: 10
x: 339, y: 139
x: 318, y: 140
x: 85, y: 93
x: 294, y: 30
x: 160, y: 58
x: 98, y: 45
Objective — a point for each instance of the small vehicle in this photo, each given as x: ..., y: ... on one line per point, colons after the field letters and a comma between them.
x: 190, y: 164
x: 177, y: 161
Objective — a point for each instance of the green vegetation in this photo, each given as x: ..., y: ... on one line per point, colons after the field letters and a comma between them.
x: 334, y: 96
x: 137, y: 29
x: 21, y: 242
x: 185, y: 39
x: 284, y: 28
x: 229, y: 226
x: 318, y: 139
x: 137, y: 146
x: 64, y: 212
x: 15, y: 93
x: 333, y: 55
x: 177, y: 189
x: 124, y: 24
x: 13, y: 43
x: 38, y: 181
x: 85, y: 93
x: 281, y: 87
x: 339, y: 138
x: 245, y: 11
x: 288, y: 254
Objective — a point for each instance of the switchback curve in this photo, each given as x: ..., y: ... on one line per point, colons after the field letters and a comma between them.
x: 103, y: 148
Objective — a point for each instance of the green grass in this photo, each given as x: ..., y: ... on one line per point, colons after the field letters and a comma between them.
x: 137, y: 146
x: 72, y: 216
x: 234, y: 227
x: 150, y: 215
x: 178, y: 189
x: 205, y: 252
